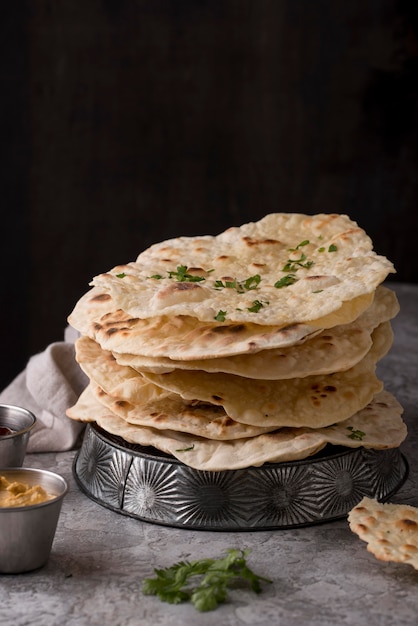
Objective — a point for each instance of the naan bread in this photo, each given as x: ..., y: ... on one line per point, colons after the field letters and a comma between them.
x: 313, y: 401
x: 184, y: 338
x: 171, y: 412
x: 332, y: 350
x: 380, y: 423
x: 284, y: 269
x: 390, y: 530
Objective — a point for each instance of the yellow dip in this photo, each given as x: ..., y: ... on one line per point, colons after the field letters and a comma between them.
x: 14, y: 494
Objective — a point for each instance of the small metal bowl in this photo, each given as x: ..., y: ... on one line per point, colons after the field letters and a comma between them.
x: 27, y: 532
x: 13, y: 445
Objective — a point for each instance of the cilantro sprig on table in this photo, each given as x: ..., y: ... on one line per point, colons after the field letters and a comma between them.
x: 205, y: 582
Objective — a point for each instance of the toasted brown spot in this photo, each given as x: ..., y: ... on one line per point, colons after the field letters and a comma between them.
x: 238, y: 328
x: 159, y: 417
x: 285, y: 329
x: 101, y: 297
x: 217, y: 398
x: 407, y: 524
x: 360, y: 508
x: 184, y: 286
x: 363, y: 527
x: 330, y: 388
x: 410, y: 548
x: 121, y: 403
x: 257, y: 242
x: 223, y: 257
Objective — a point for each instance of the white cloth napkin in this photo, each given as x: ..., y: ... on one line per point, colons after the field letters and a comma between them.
x: 50, y: 383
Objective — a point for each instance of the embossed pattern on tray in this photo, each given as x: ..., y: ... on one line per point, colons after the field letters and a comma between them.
x: 160, y: 489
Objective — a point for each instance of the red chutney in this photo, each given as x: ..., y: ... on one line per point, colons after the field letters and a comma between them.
x: 4, y: 431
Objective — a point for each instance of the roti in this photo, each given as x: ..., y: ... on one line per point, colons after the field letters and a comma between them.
x: 390, y: 530
x: 284, y: 269
x: 171, y: 412
x: 380, y: 424
x: 313, y: 401
x: 184, y: 338
x: 335, y: 349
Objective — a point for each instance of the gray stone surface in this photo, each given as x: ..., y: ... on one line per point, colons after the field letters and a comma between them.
x: 322, y: 575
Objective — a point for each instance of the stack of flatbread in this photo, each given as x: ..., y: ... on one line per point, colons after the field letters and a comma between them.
x: 257, y: 345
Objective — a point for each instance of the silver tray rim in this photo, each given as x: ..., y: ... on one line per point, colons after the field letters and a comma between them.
x: 134, y: 451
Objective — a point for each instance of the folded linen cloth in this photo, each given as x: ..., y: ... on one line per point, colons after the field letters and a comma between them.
x: 50, y: 383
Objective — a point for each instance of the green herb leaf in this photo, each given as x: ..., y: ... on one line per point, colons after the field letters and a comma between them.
x: 240, y: 286
x: 157, y: 276
x: 332, y: 248
x: 205, y: 582
x: 122, y: 275
x: 321, y: 249
x: 300, y: 245
x: 220, y: 316
x: 356, y: 434
x: 252, y: 282
x: 185, y: 449
x: 257, y: 305
x: 285, y: 281
x: 182, y: 275
x: 294, y: 265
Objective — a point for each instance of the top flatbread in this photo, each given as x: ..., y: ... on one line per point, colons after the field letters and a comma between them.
x: 284, y: 269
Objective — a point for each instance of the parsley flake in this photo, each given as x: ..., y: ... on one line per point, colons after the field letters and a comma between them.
x: 220, y: 316
x: 332, y: 248
x: 121, y: 275
x: 285, y: 281
x: 182, y: 275
x: 357, y: 435
x: 257, y: 305
x: 240, y: 286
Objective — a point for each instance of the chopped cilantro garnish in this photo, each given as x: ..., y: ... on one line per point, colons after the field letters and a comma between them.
x: 285, y: 281
x: 121, y: 275
x: 240, y: 286
x: 355, y: 434
x: 294, y: 265
x: 257, y: 305
x: 220, y: 316
x: 182, y: 276
x: 332, y: 248
x: 300, y: 245
x: 185, y: 449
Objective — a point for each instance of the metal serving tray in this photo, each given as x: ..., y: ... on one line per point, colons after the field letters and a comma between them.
x: 154, y: 487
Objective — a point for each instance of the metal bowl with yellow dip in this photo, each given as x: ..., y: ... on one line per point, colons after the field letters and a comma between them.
x: 30, y: 505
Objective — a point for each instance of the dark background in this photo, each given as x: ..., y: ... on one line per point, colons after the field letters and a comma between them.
x: 125, y: 122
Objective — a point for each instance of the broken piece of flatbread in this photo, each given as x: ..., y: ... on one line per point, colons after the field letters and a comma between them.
x: 390, y: 530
